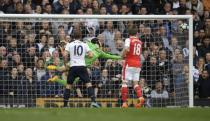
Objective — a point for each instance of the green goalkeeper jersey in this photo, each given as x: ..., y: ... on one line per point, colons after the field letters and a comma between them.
x: 98, y: 53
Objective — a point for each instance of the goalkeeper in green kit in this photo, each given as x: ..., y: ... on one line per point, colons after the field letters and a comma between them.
x: 94, y: 45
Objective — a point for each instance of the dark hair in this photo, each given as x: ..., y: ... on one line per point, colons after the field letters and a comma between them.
x: 132, y: 31
x: 77, y: 34
x: 95, y: 41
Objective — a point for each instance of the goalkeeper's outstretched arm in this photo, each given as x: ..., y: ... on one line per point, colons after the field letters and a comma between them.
x: 107, y: 55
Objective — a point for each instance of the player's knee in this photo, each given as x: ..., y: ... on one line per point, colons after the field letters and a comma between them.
x: 88, y: 84
x: 135, y: 86
x: 68, y: 86
x: 124, y: 85
x: 135, y: 83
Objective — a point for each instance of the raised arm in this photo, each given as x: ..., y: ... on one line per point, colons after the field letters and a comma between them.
x: 107, y: 55
x: 127, y: 48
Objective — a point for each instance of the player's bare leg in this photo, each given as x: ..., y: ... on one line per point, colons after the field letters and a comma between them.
x: 79, y: 93
x: 124, y: 94
x: 138, y: 91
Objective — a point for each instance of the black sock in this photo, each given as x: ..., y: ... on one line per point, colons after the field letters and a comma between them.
x: 91, y: 94
x: 66, y: 97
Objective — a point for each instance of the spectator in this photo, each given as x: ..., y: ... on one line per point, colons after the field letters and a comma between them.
x: 166, y: 8
x: 182, y: 7
x: 74, y: 6
x: 178, y: 69
x: 95, y: 76
x: 206, y: 5
x: 174, y: 44
x: 200, y: 65
x: 38, y: 9
x: 195, y: 5
x: 145, y: 56
x: 4, y: 69
x: 103, y: 10
x: 204, y: 85
x: 207, y: 27
x: 96, y: 7
x: 28, y: 9
x: 105, y: 84
x: 11, y: 8
x: 206, y: 15
x: 19, y: 8
x: 109, y: 35
x: 135, y: 6
x: 58, y: 6
x: 143, y: 10
x: 20, y: 69
x: 29, y: 87
x: 159, y: 91
x: 29, y: 57
x: 16, y: 60
x: 205, y: 47
x: 50, y: 46
x: 90, y: 34
x: 125, y: 10
x: 48, y: 9
x: 29, y: 28
x: 39, y: 69
x: 114, y: 74
x: 114, y: 9
x: 84, y: 5
x: 3, y: 52
x: 165, y: 70
x: 42, y: 43
x: 175, y: 4
x: 94, y: 23
x: 150, y: 71
x: 119, y: 46
x: 13, y: 83
x: 207, y: 65
x: 108, y: 6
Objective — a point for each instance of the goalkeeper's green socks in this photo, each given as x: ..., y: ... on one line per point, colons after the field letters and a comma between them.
x: 61, y: 82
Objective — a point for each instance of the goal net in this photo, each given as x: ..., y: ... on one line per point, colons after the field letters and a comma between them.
x: 29, y: 44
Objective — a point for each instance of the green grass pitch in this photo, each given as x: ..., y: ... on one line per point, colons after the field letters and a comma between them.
x: 105, y: 114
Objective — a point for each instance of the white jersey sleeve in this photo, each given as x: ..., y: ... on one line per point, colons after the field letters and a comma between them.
x: 127, y: 43
x: 87, y: 47
x: 67, y: 48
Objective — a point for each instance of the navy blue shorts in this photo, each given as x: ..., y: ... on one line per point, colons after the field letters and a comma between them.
x: 78, y: 71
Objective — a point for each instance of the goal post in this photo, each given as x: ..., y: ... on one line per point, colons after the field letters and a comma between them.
x: 35, y: 26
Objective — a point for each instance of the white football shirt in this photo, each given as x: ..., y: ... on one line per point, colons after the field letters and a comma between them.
x: 77, y: 50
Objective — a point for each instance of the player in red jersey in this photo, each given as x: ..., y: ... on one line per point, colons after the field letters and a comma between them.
x: 132, y: 67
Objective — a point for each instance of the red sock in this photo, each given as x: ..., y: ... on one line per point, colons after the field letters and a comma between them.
x: 124, y: 93
x: 138, y: 91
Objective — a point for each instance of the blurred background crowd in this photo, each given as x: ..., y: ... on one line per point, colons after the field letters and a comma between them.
x: 26, y: 48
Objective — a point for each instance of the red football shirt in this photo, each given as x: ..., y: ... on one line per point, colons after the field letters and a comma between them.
x: 133, y: 57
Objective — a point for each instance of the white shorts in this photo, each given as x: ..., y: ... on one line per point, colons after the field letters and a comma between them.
x: 131, y: 74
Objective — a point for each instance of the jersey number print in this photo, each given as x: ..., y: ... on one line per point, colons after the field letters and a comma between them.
x: 137, y: 49
x: 78, y: 50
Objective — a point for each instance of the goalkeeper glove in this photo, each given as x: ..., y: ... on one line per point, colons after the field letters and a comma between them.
x: 51, y: 67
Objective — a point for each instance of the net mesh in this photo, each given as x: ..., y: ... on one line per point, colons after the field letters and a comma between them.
x: 29, y: 45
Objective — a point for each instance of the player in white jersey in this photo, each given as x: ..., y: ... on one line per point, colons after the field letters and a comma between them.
x: 77, y: 51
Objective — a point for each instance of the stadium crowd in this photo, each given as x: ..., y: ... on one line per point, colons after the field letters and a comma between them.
x: 27, y: 48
